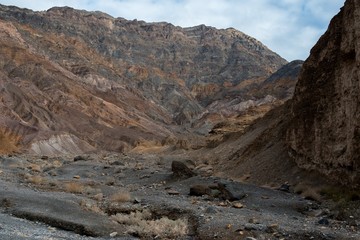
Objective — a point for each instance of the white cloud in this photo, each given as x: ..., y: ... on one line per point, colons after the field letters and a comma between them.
x: 288, y: 27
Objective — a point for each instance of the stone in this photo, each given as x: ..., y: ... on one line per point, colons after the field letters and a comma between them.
x: 173, y: 192
x: 117, y: 163
x: 237, y: 205
x: 324, y: 221
x: 229, y: 193
x: 272, y: 228
x: 200, y: 190
x: 284, y: 187
x: 181, y: 170
x: 79, y: 158
x: 211, y: 210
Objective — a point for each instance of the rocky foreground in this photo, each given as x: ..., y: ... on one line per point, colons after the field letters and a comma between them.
x: 149, y: 197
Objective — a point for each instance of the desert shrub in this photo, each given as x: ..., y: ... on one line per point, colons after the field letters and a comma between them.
x: 308, y: 192
x: 90, y: 206
x: 73, y: 187
x: 35, y: 167
x: 141, y: 224
x: 37, y: 180
x: 121, y: 197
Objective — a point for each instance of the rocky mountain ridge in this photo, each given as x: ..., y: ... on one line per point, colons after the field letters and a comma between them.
x: 85, y: 80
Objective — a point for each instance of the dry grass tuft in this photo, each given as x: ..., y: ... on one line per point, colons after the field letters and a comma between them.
x: 73, y: 187
x: 308, y: 192
x: 8, y: 143
x: 120, y: 197
x: 37, y: 180
x: 35, y: 167
x: 57, y: 164
x: 141, y: 224
x: 90, y: 206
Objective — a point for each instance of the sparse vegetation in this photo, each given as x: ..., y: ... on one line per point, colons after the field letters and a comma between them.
x: 37, y: 180
x: 120, y: 197
x: 308, y: 192
x: 35, y: 167
x: 73, y: 187
x: 141, y: 224
x: 341, y: 194
x: 90, y: 206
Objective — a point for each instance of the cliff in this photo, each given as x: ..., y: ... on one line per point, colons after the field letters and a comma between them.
x: 324, y: 132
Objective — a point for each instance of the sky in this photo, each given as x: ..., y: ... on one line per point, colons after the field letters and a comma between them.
x: 288, y: 27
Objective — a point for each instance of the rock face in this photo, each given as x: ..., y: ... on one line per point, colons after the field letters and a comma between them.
x: 325, y: 128
x: 86, y: 80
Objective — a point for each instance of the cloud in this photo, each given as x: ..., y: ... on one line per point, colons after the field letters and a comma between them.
x: 288, y: 27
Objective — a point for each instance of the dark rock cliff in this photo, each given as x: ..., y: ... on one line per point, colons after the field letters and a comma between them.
x: 325, y: 128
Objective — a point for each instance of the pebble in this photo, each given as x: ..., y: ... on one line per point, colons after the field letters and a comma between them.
x: 238, y: 205
x: 211, y: 210
x: 324, y: 221
x: 113, y: 234
x: 173, y: 192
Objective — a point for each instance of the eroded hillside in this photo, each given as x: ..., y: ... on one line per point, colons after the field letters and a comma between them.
x: 74, y: 81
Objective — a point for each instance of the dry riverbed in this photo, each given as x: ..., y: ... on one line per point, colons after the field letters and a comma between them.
x: 115, y: 196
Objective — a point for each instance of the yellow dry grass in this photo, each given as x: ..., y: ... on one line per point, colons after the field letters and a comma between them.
x: 120, y: 197
x: 8, y: 143
x: 142, y: 224
x: 37, y: 180
x: 308, y: 192
x: 73, y: 187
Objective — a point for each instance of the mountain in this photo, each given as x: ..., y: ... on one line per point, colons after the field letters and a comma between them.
x: 74, y: 81
x: 313, y: 137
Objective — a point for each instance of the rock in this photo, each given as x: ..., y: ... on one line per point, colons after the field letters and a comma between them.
x: 211, y: 210
x: 272, y: 228
x: 250, y: 238
x: 254, y: 220
x: 44, y: 157
x: 324, y: 221
x: 99, y: 197
x: 324, y: 129
x: 181, y: 170
x: 172, y: 192
x: 117, y: 163
x: 59, y: 210
x: 255, y: 227
x: 229, y: 193
x: 79, y: 158
x: 284, y: 187
x: 237, y: 205
x: 200, y: 190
